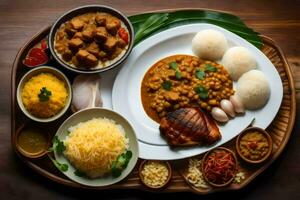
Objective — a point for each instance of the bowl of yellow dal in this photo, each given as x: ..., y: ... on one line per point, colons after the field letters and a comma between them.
x: 44, y: 94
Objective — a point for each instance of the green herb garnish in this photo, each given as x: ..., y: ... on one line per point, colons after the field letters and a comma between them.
x: 167, y: 85
x: 58, y: 145
x: 120, y: 163
x: 178, y: 75
x: 200, y: 74
x: 201, y: 91
x: 210, y: 68
x: 173, y: 65
x: 44, y: 94
x: 60, y: 166
x: 79, y: 173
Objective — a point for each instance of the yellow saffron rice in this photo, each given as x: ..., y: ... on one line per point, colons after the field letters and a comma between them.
x: 56, y: 102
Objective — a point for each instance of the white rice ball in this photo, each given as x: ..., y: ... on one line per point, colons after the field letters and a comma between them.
x: 254, y: 90
x: 237, y: 61
x: 209, y: 44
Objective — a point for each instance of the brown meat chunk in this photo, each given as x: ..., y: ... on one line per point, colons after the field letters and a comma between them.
x: 110, y: 43
x: 100, y: 34
x: 82, y: 54
x: 70, y: 31
x: 85, y: 59
x: 77, y: 24
x: 75, y: 61
x: 101, y: 20
x: 121, y: 43
x: 60, y: 47
x: 75, y: 43
x: 67, y: 54
x: 115, y: 53
x: 91, y: 60
x: 113, y: 25
x: 93, y: 48
x: 78, y: 35
x: 87, y: 34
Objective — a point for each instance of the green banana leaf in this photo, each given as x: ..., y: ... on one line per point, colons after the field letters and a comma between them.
x: 148, y: 24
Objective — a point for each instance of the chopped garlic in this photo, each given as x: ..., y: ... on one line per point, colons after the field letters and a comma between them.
x: 239, y: 177
x: 194, y: 175
x: 155, y: 173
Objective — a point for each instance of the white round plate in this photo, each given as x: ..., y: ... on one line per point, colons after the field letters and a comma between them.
x: 88, y: 114
x: 126, y: 94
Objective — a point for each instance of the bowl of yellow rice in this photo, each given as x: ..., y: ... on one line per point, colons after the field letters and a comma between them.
x: 44, y: 94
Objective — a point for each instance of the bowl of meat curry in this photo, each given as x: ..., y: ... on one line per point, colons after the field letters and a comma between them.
x: 91, y: 39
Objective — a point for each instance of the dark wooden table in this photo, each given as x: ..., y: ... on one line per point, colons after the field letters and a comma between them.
x: 19, y: 20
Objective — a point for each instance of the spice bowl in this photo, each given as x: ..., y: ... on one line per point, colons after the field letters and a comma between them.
x: 254, y: 145
x: 34, y: 72
x: 230, y: 164
x: 32, y: 142
x: 147, y: 170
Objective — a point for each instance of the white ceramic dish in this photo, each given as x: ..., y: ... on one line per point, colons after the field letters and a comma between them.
x: 126, y: 96
x: 85, y: 115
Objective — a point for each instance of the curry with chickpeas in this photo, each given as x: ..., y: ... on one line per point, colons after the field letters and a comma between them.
x: 92, y: 40
x: 183, y: 81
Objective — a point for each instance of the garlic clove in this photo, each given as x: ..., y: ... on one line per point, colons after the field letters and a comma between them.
x: 86, y: 92
x: 237, y: 104
x: 227, y: 107
x: 219, y: 115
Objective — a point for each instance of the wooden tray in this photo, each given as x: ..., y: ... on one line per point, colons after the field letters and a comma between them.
x: 280, y: 129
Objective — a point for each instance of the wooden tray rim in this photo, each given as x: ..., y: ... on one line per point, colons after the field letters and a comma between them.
x: 69, y: 183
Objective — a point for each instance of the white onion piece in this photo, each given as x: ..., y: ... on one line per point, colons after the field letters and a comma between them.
x: 86, y: 93
x: 219, y: 115
x: 237, y: 104
x: 227, y: 107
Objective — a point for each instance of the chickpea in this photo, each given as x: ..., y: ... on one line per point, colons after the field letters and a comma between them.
x: 203, y: 105
x: 217, y: 87
x: 167, y: 104
x: 212, y: 102
x: 184, y: 92
x: 190, y: 94
x: 208, y: 108
x: 160, y: 97
x: 159, y: 109
x: 189, y: 69
x: 196, y: 96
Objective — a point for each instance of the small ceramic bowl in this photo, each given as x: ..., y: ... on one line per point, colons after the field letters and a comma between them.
x: 203, y: 161
x: 83, y: 116
x: 266, y: 135
x: 34, y: 72
x: 23, y: 135
x: 158, y: 187
x: 88, y: 9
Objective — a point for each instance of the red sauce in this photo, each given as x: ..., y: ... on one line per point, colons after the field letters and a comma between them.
x: 36, y: 56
